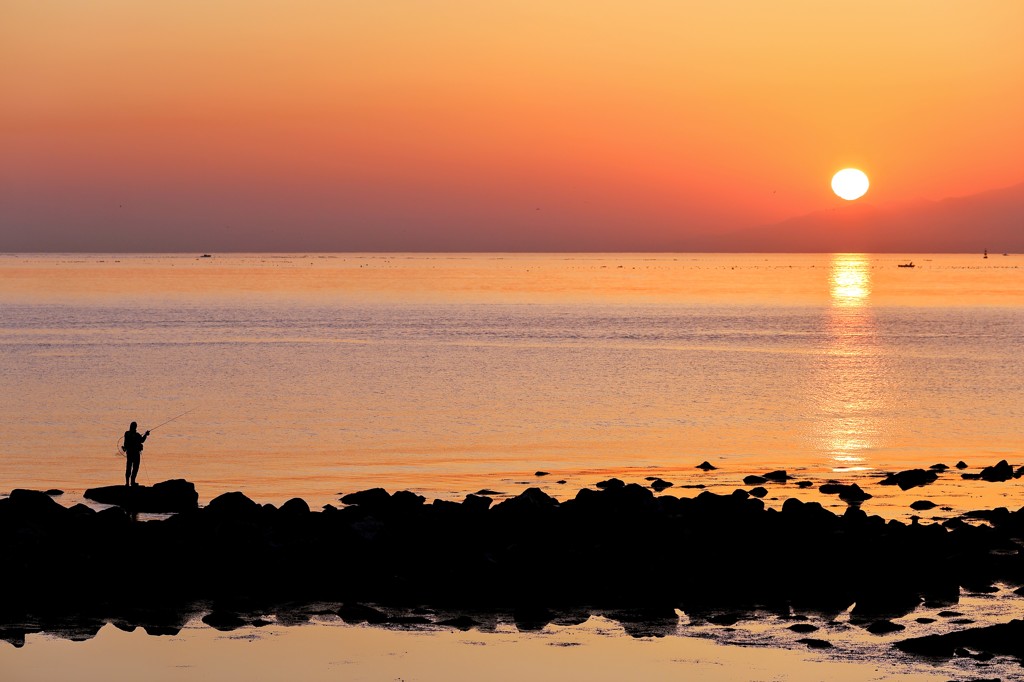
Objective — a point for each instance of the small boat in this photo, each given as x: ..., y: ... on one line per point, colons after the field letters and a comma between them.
x: 905, y: 265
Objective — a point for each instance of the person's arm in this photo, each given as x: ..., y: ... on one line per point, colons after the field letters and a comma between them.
x: 145, y: 436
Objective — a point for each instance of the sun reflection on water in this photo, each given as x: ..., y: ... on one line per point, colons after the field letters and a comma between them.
x: 851, y: 398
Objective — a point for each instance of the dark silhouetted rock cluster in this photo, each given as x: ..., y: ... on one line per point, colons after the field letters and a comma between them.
x: 620, y: 549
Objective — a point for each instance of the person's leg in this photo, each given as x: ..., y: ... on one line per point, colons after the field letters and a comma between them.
x: 135, y: 468
x: 127, y: 469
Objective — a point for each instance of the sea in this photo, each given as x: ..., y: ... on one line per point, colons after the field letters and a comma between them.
x: 315, y: 375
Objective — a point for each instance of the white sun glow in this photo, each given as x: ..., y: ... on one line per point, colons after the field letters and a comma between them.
x: 850, y: 184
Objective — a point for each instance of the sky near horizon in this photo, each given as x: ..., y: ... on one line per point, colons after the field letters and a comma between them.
x: 466, y: 125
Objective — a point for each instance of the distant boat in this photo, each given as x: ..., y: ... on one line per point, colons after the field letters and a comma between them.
x: 906, y: 265
x: 206, y: 255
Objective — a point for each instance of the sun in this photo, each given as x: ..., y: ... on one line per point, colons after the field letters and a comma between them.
x: 850, y: 183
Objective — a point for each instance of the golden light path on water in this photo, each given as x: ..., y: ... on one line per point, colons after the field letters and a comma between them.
x: 853, y: 363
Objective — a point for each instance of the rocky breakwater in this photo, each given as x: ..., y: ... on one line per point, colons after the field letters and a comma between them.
x: 619, y: 547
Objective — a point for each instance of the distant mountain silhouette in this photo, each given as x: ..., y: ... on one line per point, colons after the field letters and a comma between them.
x: 992, y: 220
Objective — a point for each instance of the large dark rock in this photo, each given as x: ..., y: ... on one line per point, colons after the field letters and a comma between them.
x: 233, y: 504
x: 1002, y: 639
x: 176, y: 495
x: 911, y: 478
x: 998, y: 472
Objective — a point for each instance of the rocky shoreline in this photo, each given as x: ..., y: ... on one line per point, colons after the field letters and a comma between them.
x: 617, y: 550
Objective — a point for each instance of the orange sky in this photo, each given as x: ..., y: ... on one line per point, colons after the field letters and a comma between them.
x: 446, y: 125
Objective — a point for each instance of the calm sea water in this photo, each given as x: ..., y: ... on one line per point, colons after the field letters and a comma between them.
x: 312, y: 375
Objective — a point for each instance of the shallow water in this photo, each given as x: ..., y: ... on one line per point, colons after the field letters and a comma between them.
x: 313, y: 375
x: 327, y: 649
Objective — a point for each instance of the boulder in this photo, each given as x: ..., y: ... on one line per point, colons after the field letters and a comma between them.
x: 816, y: 643
x: 758, y: 492
x: 706, y: 466
x: 910, y: 478
x: 659, y: 484
x: 295, y: 506
x: 1002, y: 639
x: 754, y: 480
x: 922, y: 505
x: 961, y: 464
x: 360, y: 613
x: 779, y: 476
x: 853, y: 493
x: 374, y: 498
x: 610, y: 484
x: 530, y: 501
x: 176, y: 495
x: 232, y: 504
x: 998, y: 472
x: 884, y: 627
x: 477, y: 503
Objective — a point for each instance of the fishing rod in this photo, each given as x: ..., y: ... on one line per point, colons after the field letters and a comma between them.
x: 172, y: 419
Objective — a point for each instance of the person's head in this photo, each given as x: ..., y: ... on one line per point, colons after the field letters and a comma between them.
x: 133, y: 426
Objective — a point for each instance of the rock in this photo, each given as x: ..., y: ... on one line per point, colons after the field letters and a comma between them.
x: 410, y: 620
x: 922, y: 505
x: 476, y: 503
x: 232, y: 504
x: 924, y: 620
x: 610, y: 484
x: 541, y: 473
x: 803, y: 628
x: 530, y: 501
x: 706, y: 466
x: 884, y: 627
x: 487, y: 492
x: 360, y: 613
x: 658, y: 484
x: 758, y: 492
x: 405, y: 501
x: 725, y: 619
x: 295, y: 506
x: 999, y: 472
x: 459, y: 623
x: 223, y: 621
x: 754, y: 480
x: 853, y: 493
x: 1002, y: 639
x: 816, y: 643
x: 35, y: 503
x: 961, y: 465
x: 779, y: 476
x: 804, y: 484
x: 531, y: 618
x: 54, y: 492
x: 949, y: 614
x: 176, y: 495
x: 831, y: 488
x: 938, y: 467
x: 374, y: 498
x: 911, y: 478
x: 740, y: 494
x: 560, y: 481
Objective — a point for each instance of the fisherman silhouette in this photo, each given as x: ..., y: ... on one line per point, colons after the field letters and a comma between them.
x: 133, y: 441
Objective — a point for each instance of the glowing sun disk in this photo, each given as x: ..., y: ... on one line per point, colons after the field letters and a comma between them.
x: 850, y: 183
